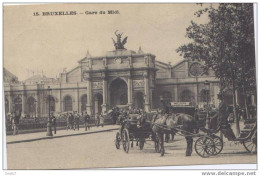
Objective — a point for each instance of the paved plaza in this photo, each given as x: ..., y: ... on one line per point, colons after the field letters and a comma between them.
x: 97, y: 150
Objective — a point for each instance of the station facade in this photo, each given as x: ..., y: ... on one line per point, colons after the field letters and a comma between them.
x: 120, y: 77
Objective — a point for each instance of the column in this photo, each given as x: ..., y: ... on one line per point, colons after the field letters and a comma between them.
x: 10, y: 100
x: 23, y: 101
x: 37, y: 101
x: 61, y: 100
x: 89, y: 96
x: 146, y: 92
x: 196, y: 93
x: 175, y: 93
x: 104, y: 105
x: 75, y: 103
x: 129, y: 92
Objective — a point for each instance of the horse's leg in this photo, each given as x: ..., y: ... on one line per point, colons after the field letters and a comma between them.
x: 132, y: 144
x: 161, y: 140
x: 189, y: 140
x: 167, y: 137
x: 137, y: 142
x: 173, y: 134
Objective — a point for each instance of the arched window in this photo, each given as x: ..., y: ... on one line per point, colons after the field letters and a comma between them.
x: 51, y: 100
x: 67, y: 103
x: 84, y: 102
x: 186, y: 96
x: 18, y: 104
x: 31, y: 102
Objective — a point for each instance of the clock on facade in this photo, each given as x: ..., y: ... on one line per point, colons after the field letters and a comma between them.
x: 196, y: 69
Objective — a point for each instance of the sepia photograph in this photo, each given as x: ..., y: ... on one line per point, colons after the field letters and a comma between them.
x: 122, y: 85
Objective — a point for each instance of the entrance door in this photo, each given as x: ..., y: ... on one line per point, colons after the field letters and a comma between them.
x: 98, y: 101
x: 118, y: 93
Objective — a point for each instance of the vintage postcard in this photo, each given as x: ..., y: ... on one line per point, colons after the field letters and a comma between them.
x: 129, y: 85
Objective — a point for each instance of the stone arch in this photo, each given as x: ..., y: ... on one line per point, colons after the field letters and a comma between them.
x: 113, y: 79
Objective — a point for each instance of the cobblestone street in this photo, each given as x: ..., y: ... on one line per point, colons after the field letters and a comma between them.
x: 97, y: 150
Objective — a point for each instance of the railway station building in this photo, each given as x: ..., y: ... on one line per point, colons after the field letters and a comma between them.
x: 120, y: 77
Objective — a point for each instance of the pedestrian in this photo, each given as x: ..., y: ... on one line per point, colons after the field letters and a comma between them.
x: 76, y: 121
x: 16, y: 121
x: 97, y: 120
x: 53, y: 118
x: 71, y: 121
x: 86, y: 121
x: 68, y: 120
x: 101, y: 120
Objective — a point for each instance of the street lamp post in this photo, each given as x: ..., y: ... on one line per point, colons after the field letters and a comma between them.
x: 49, y: 130
x: 206, y: 83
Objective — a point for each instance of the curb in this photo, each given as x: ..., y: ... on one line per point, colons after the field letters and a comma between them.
x: 52, y: 137
x: 38, y: 130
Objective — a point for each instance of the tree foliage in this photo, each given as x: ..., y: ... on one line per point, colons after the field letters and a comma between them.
x: 226, y: 43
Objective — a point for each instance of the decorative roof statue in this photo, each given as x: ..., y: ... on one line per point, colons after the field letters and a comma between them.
x: 119, y: 44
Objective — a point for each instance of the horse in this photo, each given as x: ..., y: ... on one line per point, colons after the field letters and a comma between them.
x: 171, y: 124
x: 174, y: 123
x: 114, y: 114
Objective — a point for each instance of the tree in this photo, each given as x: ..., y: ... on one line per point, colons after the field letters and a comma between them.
x: 226, y: 45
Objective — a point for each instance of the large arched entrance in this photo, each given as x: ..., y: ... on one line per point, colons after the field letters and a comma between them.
x: 139, y: 100
x: 118, y: 92
x: 98, y: 101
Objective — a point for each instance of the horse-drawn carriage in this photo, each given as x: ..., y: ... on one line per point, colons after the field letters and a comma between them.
x: 182, y: 120
x: 247, y: 137
x: 131, y: 131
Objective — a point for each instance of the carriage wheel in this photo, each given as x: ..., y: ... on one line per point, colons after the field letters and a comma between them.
x: 205, y: 146
x: 218, y: 144
x: 118, y: 139
x: 126, y: 141
x: 141, y: 145
x: 250, y: 146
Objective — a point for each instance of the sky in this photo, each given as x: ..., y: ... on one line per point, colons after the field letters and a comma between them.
x: 50, y: 43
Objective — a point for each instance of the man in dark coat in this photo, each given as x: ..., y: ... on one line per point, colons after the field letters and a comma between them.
x: 86, y: 121
x: 17, y: 116
x: 53, y: 119
x: 71, y: 119
x: 76, y: 120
